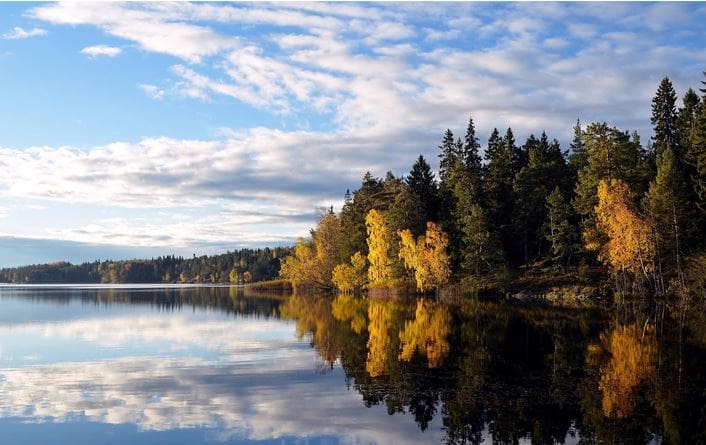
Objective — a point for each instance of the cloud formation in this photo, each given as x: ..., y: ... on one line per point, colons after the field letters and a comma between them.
x: 18, y: 33
x: 101, y: 50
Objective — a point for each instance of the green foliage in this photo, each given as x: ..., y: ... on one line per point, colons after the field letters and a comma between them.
x: 422, y: 183
x: 697, y: 156
x: 664, y: 118
x: 481, y: 253
x: 560, y: 231
x: 261, y: 264
x: 546, y: 169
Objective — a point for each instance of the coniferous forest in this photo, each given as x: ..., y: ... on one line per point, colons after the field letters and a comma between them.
x: 613, y: 209
x: 238, y: 267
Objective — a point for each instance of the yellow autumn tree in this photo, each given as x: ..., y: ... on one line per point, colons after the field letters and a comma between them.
x: 380, y: 270
x: 426, y: 256
x: 314, y: 260
x: 632, y: 363
x: 427, y: 333
x: 351, y: 277
x: 630, y: 243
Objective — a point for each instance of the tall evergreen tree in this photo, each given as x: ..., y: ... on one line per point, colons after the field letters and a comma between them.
x: 497, y: 188
x: 697, y: 156
x: 448, y: 156
x: 545, y: 169
x: 481, y: 253
x: 666, y: 203
x: 354, y: 212
x: 519, y: 155
x: 560, y: 231
x: 664, y: 118
x: 471, y: 158
x: 422, y: 182
x: 686, y: 119
x: 578, y: 157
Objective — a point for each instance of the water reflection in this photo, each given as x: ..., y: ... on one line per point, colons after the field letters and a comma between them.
x: 255, y: 368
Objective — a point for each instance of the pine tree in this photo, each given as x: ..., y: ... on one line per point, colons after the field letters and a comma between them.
x: 664, y: 117
x: 610, y: 155
x: 561, y: 233
x: 422, y: 182
x: 669, y: 211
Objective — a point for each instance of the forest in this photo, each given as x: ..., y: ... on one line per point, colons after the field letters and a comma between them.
x: 237, y: 267
x: 609, y: 209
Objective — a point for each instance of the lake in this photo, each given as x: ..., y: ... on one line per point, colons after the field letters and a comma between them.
x: 198, y: 365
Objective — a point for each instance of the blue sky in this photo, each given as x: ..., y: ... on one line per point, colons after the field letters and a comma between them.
x: 131, y: 130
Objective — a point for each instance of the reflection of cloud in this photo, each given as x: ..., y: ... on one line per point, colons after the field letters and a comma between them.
x: 256, y: 387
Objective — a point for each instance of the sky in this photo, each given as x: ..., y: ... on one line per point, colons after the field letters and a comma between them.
x: 132, y: 130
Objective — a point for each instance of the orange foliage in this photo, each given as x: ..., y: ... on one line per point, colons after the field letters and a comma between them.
x: 630, y: 245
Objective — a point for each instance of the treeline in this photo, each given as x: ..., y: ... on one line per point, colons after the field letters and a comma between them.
x: 238, y: 267
x: 639, y: 211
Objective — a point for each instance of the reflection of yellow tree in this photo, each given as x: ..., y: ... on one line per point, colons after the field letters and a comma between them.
x: 379, y: 339
x: 427, y: 333
x: 631, y: 364
x: 348, y: 308
x: 313, y: 316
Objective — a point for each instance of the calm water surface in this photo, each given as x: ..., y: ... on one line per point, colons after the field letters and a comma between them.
x: 213, y: 365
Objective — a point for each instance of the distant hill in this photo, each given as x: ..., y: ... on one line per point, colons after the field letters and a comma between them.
x: 239, y: 267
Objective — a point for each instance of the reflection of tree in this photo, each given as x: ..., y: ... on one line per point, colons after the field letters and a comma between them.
x: 514, y: 373
x: 380, y: 344
x: 632, y: 350
x: 346, y: 307
x: 427, y: 333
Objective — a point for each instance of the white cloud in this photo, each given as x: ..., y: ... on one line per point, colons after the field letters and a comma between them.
x: 18, y: 33
x: 152, y: 91
x: 101, y: 50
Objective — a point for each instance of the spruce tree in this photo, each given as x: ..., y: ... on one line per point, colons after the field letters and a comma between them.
x: 560, y: 231
x: 497, y: 188
x: 664, y: 118
x: 697, y: 156
x: 449, y: 154
x: 471, y: 158
x: 578, y: 156
x: 545, y: 169
x: 666, y: 204
x: 422, y: 182
x: 481, y: 252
